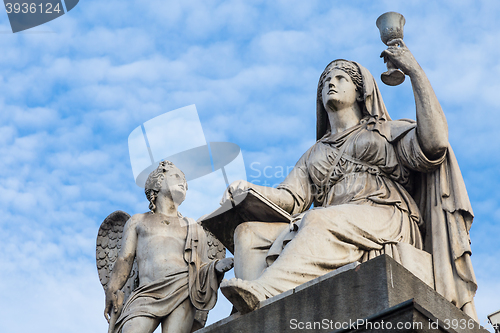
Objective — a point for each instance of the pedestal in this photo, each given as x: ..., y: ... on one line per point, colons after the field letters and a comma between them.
x: 379, y: 295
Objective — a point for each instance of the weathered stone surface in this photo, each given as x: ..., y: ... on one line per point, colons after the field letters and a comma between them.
x: 417, y: 261
x: 380, y: 289
x: 170, y: 253
x: 357, y: 175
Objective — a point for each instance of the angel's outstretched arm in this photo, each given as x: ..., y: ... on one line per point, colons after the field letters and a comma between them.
x: 123, y: 265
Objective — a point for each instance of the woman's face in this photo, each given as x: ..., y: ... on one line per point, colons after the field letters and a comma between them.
x: 338, y: 90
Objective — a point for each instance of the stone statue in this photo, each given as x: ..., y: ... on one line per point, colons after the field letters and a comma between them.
x: 375, y: 183
x: 162, y: 266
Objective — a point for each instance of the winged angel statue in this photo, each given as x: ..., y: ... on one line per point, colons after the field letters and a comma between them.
x: 159, y: 267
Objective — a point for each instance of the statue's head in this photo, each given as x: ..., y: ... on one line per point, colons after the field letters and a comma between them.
x: 341, y: 86
x: 167, y: 179
x: 368, y: 96
x: 349, y: 67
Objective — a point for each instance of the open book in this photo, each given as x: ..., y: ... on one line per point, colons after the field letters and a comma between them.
x: 247, y: 206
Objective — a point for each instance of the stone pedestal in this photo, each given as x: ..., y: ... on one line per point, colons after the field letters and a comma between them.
x: 377, y: 296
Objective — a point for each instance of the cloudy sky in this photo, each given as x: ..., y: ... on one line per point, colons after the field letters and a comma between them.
x: 72, y: 90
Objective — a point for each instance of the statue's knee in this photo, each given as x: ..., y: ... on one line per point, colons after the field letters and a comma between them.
x: 310, y: 217
x: 242, y: 230
x: 243, y: 233
x: 322, y: 216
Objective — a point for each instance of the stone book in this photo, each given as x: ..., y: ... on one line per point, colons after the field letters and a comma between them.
x: 246, y: 206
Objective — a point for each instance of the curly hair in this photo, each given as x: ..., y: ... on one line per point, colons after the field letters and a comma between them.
x: 348, y: 67
x: 153, y: 183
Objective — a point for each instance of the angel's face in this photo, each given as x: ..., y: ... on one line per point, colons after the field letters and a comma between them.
x: 174, y: 185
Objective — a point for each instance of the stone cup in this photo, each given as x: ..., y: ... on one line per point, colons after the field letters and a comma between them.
x: 391, y: 26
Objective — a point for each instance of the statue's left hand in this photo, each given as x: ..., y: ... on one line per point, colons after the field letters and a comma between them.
x: 111, y: 304
x: 224, y: 265
x: 400, y: 56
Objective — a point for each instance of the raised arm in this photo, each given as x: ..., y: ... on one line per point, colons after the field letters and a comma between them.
x: 123, y: 265
x: 432, y: 128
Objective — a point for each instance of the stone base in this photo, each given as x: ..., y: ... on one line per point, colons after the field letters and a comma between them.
x: 379, y: 295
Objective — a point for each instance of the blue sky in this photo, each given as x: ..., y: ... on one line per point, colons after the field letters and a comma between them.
x: 73, y: 89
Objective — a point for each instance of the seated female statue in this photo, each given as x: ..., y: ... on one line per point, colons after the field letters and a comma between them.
x: 371, y: 180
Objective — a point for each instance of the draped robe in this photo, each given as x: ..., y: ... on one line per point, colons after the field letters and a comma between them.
x: 198, y: 282
x: 372, y: 187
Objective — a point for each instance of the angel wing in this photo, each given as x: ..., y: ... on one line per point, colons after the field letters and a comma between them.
x: 215, y: 248
x: 108, y: 246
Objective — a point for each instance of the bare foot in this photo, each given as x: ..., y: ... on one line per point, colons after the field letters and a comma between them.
x: 242, y: 294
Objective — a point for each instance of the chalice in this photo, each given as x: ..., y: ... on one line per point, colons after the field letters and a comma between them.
x: 390, y: 26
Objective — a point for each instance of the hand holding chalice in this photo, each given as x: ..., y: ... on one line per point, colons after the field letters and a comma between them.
x: 391, y: 27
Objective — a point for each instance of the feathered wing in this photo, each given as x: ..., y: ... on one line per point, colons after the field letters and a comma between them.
x: 108, y: 246
x: 215, y: 248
